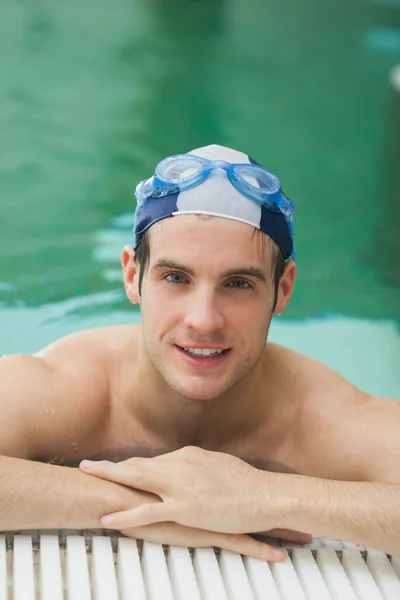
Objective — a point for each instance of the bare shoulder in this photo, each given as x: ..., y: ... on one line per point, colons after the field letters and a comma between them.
x: 340, y: 431
x: 55, y: 400
x: 306, y: 377
x: 90, y: 358
x: 89, y: 355
x: 101, y: 342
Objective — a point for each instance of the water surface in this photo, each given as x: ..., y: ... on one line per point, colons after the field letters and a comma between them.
x: 92, y: 95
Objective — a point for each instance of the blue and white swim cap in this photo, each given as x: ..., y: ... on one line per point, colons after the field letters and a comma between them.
x: 215, y: 195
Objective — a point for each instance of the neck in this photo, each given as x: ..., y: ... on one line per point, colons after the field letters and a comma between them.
x: 178, y: 421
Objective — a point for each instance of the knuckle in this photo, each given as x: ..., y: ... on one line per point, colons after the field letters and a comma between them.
x: 189, y: 450
x: 192, y: 453
x: 134, y: 461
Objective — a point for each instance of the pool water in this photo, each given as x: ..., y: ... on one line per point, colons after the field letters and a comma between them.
x: 93, y: 95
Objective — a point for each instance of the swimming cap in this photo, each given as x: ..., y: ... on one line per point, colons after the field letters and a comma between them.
x: 218, y: 197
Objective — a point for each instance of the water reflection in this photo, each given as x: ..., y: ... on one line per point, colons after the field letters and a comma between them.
x: 385, y: 253
x: 61, y: 94
x: 91, y: 101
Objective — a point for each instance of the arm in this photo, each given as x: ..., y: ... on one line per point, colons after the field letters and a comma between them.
x: 363, y: 504
x: 48, y: 404
x: 217, y: 491
x: 361, y: 512
x: 41, y: 496
x: 228, y: 495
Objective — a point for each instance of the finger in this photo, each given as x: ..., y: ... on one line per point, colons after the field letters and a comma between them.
x: 147, y: 514
x: 117, y: 472
x: 146, y: 477
x: 179, y: 535
x: 244, y: 544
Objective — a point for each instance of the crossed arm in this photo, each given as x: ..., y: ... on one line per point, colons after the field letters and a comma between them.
x: 196, y: 497
x: 219, y: 492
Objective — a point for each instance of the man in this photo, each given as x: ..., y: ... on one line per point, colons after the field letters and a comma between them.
x: 282, y: 442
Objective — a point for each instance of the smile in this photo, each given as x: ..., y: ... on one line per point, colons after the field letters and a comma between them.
x: 204, y: 357
x: 202, y: 351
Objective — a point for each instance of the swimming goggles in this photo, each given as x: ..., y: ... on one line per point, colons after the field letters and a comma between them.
x: 182, y: 171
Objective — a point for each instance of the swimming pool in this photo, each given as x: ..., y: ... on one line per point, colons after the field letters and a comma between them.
x: 90, y: 100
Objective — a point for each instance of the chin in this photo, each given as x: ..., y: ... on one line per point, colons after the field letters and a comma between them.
x: 199, y: 393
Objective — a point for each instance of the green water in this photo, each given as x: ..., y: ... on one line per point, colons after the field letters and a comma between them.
x: 93, y: 94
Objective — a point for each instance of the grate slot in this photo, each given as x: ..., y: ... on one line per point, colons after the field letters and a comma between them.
x: 395, y: 562
x: 260, y: 578
x: 208, y: 574
x: 77, y: 569
x: 309, y: 575
x: 360, y: 576
x: 286, y: 579
x: 3, y: 568
x: 155, y: 572
x: 129, y: 571
x: 23, y: 568
x: 384, y: 575
x: 103, y: 576
x: 334, y: 575
x: 182, y: 574
x: 234, y: 576
x: 51, y: 583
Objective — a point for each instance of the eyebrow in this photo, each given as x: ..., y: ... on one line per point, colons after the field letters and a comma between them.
x: 253, y: 272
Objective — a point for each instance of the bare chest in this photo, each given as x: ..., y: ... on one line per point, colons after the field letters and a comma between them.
x: 122, y: 440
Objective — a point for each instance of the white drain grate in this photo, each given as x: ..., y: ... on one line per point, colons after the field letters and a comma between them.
x: 107, y: 567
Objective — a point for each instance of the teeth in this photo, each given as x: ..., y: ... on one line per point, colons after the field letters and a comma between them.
x: 202, y: 351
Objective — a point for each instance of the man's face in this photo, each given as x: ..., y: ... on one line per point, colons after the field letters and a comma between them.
x: 209, y: 285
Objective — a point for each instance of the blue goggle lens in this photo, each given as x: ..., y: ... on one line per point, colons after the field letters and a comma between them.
x: 178, y: 170
x: 259, y: 178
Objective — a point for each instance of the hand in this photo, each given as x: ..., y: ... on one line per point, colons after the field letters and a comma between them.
x: 173, y: 534
x: 198, y: 488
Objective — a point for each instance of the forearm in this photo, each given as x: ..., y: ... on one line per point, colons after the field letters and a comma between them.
x: 42, y: 496
x: 363, y: 513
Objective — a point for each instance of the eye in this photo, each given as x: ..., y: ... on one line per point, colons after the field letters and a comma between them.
x: 175, y: 278
x: 241, y: 284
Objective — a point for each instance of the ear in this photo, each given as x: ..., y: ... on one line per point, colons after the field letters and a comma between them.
x: 285, y: 287
x: 131, y: 274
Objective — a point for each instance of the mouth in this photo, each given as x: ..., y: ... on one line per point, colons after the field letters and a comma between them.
x: 203, y: 357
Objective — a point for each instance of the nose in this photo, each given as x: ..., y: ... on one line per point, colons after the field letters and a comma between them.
x: 203, y: 312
